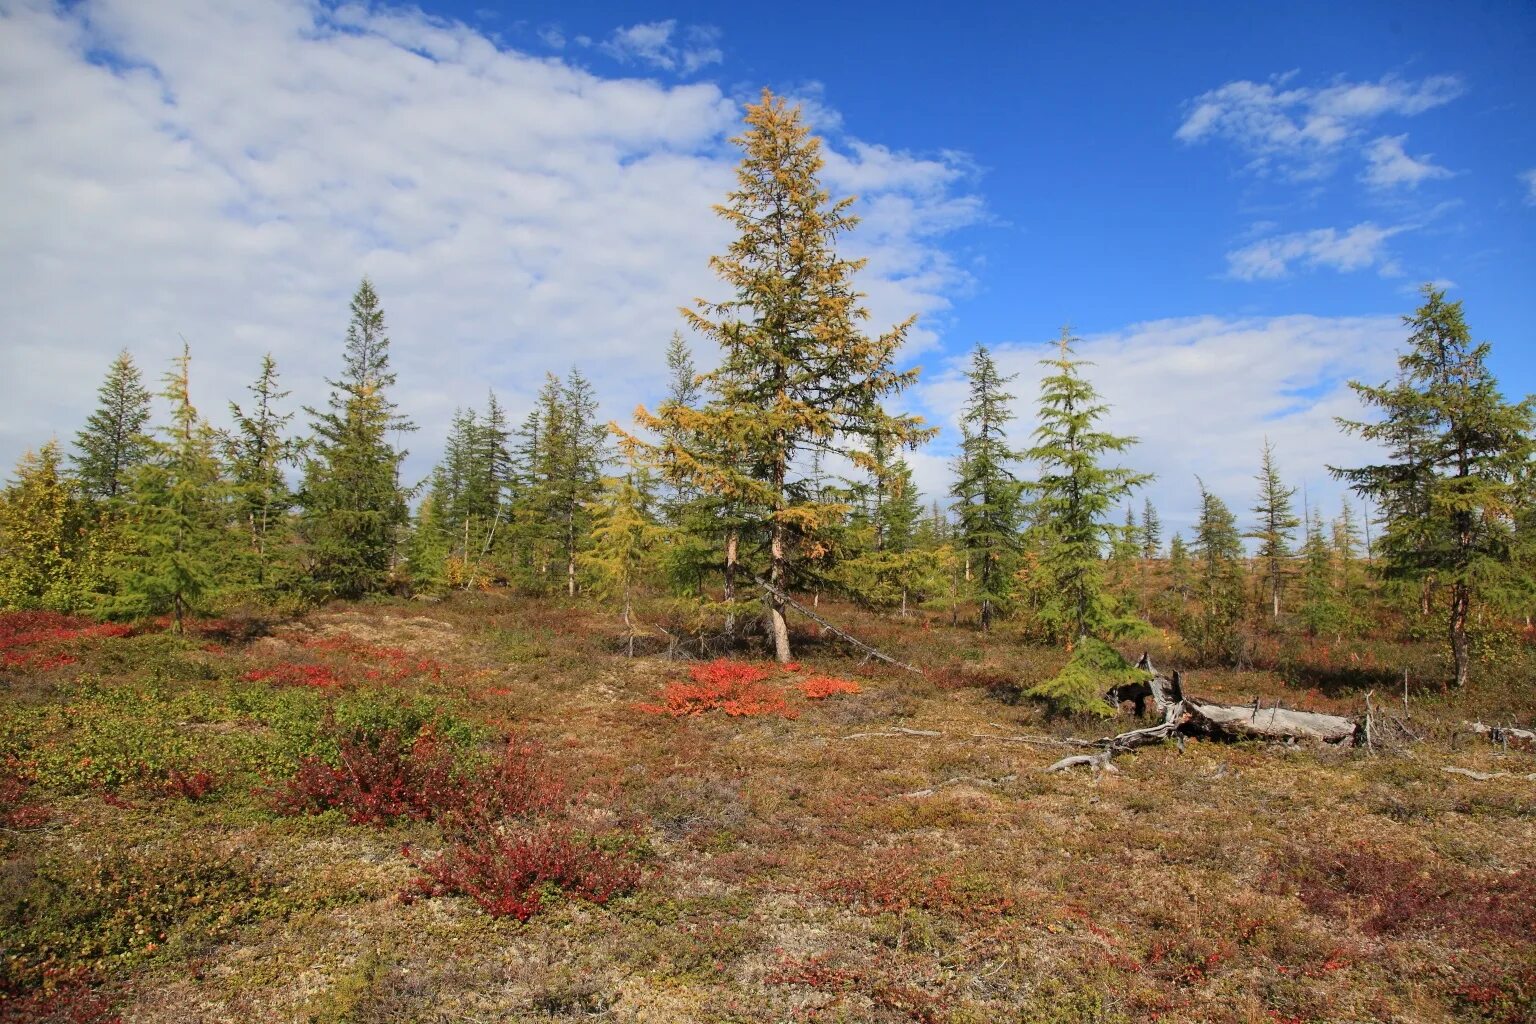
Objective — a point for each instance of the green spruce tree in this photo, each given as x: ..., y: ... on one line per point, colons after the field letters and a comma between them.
x: 1275, y: 527
x: 1456, y: 454
x: 1074, y: 495
x: 114, y: 442
x: 353, y: 504
x: 988, y: 494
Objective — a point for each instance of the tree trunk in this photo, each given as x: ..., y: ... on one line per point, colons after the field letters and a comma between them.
x: 779, y: 576
x: 732, y: 543
x: 1460, y: 601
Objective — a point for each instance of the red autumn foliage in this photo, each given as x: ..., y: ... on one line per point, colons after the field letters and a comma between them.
x: 37, y: 640
x: 897, y: 888
x: 379, y: 664
x: 380, y: 779
x: 734, y: 687
x: 822, y: 687
x: 66, y: 997
x: 187, y: 785
x: 503, y: 872
x: 16, y: 812
x: 1402, y: 895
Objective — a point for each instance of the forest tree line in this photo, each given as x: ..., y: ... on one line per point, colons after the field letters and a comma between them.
x: 778, y: 471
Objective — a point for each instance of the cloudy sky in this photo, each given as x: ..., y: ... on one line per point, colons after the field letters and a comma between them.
x: 1232, y: 209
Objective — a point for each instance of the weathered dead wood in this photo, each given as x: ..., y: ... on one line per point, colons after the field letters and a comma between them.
x: 1485, y: 776
x: 893, y: 731
x: 1507, y: 737
x: 869, y: 650
x: 1098, y: 762
x: 1273, y: 723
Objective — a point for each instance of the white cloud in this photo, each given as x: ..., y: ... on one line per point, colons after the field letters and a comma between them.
x: 1528, y: 178
x: 1201, y: 394
x: 1390, y: 167
x: 1299, y: 130
x: 653, y: 43
x: 229, y: 172
x: 1359, y: 247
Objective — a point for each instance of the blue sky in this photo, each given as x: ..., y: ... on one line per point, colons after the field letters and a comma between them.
x: 1231, y: 204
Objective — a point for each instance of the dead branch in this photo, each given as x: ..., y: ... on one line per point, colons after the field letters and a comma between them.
x: 1097, y: 762
x: 1485, y: 776
x: 869, y: 650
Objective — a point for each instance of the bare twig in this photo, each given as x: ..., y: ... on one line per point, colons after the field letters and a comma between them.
x: 869, y: 650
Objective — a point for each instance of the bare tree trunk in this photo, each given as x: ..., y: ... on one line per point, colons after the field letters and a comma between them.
x: 1460, y: 601
x: 779, y: 577
x: 732, y: 544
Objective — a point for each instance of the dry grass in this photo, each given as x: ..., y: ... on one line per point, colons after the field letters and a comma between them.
x: 787, y: 872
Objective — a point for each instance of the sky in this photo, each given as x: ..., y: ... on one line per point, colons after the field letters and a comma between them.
x: 1231, y: 205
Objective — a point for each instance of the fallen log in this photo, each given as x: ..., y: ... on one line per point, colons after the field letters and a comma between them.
x: 1274, y: 723
x: 1485, y: 776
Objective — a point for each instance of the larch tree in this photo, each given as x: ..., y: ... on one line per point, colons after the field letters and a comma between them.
x: 626, y: 539
x: 1456, y: 454
x: 45, y: 544
x: 353, y: 505
x: 114, y: 442
x: 1275, y: 527
x: 988, y: 493
x: 797, y: 374
x: 174, y: 532
x: 1075, y: 494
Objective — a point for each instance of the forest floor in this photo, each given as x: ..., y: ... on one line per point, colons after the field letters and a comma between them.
x: 804, y: 861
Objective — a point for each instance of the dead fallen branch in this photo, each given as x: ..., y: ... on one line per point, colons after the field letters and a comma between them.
x: 893, y: 731
x: 869, y: 650
x: 1485, y: 776
x: 1098, y: 762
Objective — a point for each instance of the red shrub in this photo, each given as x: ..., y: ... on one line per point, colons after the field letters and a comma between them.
x: 730, y: 686
x: 189, y: 786
x: 378, y: 664
x: 822, y: 687
x: 380, y: 779
x: 503, y: 872
x: 377, y: 781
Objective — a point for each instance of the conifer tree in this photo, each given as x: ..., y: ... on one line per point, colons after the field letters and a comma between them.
x: 1218, y: 553
x: 1075, y: 493
x: 257, y: 451
x: 353, y: 505
x: 1320, y: 610
x: 1180, y: 572
x: 1456, y: 454
x: 797, y: 373
x: 626, y: 538
x: 1275, y: 527
x: 45, y: 549
x: 174, y: 532
x: 988, y: 494
x: 1347, y: 550
x: 1151, y: 531
x: 113, y: 442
